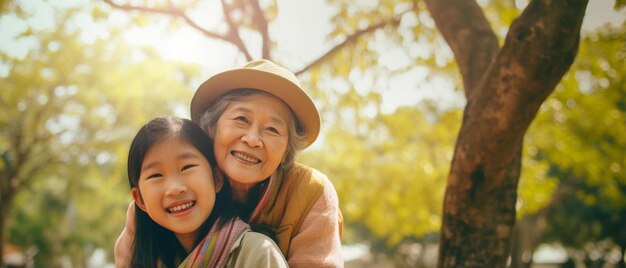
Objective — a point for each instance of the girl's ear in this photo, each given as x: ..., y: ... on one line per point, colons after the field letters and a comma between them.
x: 218, y: 177
x: 138, y: 199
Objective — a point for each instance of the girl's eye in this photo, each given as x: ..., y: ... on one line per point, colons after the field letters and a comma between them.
x: 155, y: 175
x: 187, y: 167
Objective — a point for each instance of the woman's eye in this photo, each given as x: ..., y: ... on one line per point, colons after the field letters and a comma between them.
x: 241, y: 119
x: 273, y: 130
x: 187, y: 167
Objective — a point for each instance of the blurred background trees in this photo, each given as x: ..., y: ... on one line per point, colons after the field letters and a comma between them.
x: 578, y: 136
x: 69, y: 107
x: 72, y: 97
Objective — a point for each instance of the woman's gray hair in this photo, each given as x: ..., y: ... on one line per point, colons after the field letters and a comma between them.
x: 296, y: 138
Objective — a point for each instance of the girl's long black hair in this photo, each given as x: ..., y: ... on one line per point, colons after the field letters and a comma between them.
x: 153, y: 242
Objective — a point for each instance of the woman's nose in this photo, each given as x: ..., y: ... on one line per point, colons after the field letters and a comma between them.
x: 253, y: 138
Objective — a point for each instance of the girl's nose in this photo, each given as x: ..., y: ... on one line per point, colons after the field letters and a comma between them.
x: 176, y: 187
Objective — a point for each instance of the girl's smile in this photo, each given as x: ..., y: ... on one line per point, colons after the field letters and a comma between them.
x: 176, y: 187
x: 181, y: 209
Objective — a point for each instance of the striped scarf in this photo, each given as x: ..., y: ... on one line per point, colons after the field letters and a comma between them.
x: 214, y: 249
x: 268, y: 196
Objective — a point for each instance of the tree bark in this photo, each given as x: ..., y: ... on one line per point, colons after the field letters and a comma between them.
x: 6, y: 198
x: 7, y: 194
x: 479, y: 203
x: 469, y: 35
x: 4, y: 213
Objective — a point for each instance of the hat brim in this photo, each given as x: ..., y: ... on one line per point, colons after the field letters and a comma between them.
x: 290, y: 93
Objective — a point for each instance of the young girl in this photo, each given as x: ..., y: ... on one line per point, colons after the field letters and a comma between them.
x: 180, y: 220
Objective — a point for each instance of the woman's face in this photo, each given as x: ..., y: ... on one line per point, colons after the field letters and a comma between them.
x: 251, y: 139
x: 176, y: 187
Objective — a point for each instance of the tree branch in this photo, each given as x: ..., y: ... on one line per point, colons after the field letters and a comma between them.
x: 233, y: 30
x: 469, y: 35
x: 176, y: 13
x: 395, y: 20
x: 539, y: 48
x: 261, y: 22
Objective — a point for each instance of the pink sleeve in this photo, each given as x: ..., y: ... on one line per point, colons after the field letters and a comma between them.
x: 124, y: 243
x: 318, y: 243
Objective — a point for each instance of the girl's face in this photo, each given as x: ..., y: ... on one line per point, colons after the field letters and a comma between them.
x: 176, y: 187
x: 251, y: 138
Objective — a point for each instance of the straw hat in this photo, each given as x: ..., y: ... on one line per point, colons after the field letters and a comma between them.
x: 263, y: 75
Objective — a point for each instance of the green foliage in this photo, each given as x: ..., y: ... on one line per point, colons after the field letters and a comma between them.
x: 69, y: 112
x: 555, y: 138
x: 390, y: 171
x: 394, y: 49
x: 500, y: 14
x: 580, y: 134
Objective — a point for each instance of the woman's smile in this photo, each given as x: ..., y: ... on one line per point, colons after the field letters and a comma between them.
x: 245, y: 157
x: 251, y: 139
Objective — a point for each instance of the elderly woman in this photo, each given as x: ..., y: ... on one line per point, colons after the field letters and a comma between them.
x: 259, y: 118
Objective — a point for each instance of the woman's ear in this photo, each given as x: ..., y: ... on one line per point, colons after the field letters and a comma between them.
x: 138, y: 199
x: 218, y: 178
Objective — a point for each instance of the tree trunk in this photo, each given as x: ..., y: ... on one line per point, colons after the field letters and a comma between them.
x: 479, y: 203
x: 8, y: 191
x: 7, y: 199
x: 3, y: 217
